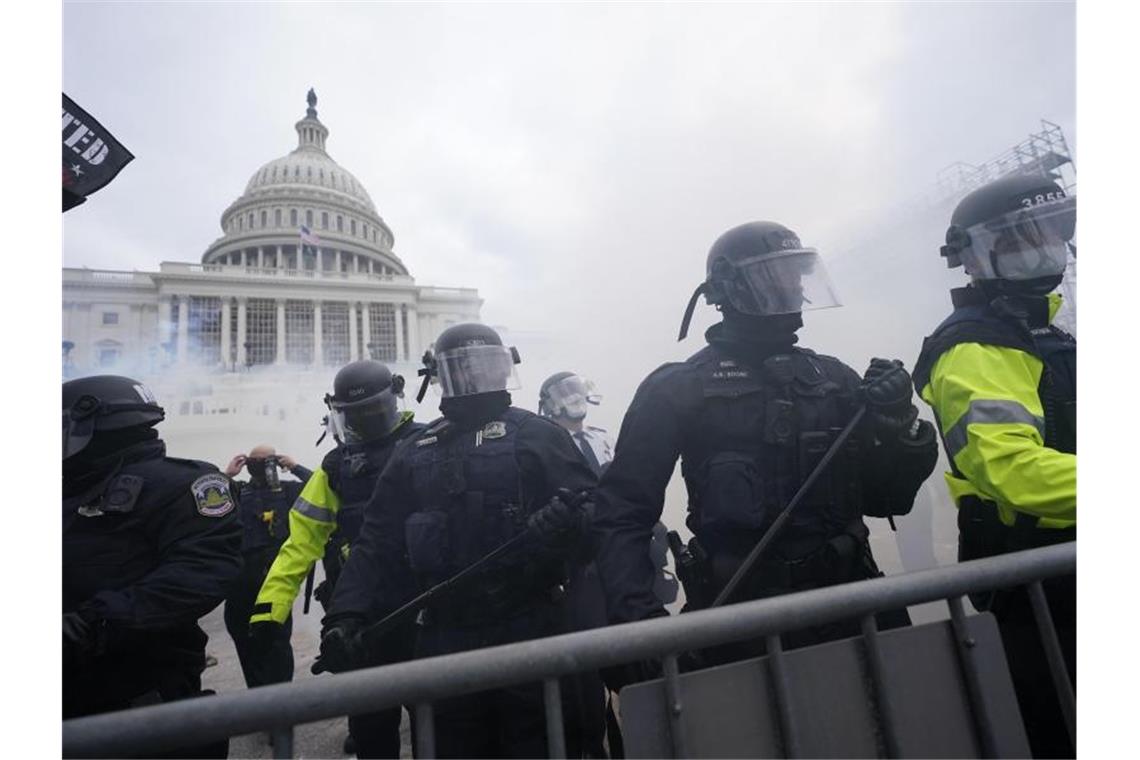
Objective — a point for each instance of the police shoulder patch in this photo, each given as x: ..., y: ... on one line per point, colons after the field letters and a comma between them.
x: 212, y: 495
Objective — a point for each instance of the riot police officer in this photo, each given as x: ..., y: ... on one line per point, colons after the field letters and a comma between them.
x: 479, y: 476
x: 750, y: 415
x: 566, y: 397
x: 326, y: 518
x: 150, y: 544
x: 1001, y: 379
x: 263, y: 508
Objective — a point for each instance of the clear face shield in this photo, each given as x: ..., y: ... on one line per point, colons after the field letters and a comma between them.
x: 469, y: 370
x: 786, y: 282
x: 1025, y: 244
x: 364, y: 420
x: 570, y: 396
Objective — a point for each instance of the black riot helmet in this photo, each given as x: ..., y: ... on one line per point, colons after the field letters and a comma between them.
x: 762, y: 269
x: 566, y: 394
x: 1013, y: 234
x: 104, y: 403
x: 362, y: 406
x: 470, y: 359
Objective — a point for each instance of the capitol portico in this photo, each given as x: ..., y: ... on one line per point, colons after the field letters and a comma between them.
x: 267, y: 292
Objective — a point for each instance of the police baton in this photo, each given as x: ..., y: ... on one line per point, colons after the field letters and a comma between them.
x: 373, y: 634
x: 754, y: 556
x: 309, y: 587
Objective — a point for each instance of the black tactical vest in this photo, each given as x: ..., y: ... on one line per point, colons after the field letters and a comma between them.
x: 352, y: 476
x: 469, y: 500
x: 974, y: 320
x: 759, y: 432
x: 258, y: 530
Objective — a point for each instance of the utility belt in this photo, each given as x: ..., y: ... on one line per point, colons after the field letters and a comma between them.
x: 981, y: 533
x: 490, y: 604
x: 841, y: 558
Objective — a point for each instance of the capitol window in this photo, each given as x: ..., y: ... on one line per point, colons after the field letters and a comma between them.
x: 324, y: 220
x: 251, y: 220
x: 277, y: 218
x: 299, y: 332
x: 382, y: 326
x: 264, y: 219
x: 261, y: 331
x: 334, y: 332
x: 352, y: 226
x: 339, y: 223
x: 110, y: 317
x: 366, y: 232
x: 292, y: 217
x: 309, y: 218
x: 204, y: 328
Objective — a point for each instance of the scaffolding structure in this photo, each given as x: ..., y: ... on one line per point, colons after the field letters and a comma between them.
x: 1045, y: 153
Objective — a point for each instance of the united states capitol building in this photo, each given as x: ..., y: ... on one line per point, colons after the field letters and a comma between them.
x: 264, y: 300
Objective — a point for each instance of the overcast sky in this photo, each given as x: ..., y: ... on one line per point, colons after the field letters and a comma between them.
x: 575, y: 162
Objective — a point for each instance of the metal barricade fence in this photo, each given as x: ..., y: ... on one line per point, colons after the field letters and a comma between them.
x: 419, y: 683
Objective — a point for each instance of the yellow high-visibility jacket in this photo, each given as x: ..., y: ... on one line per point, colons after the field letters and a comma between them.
x: 986, y: 398
x: 312, y: 520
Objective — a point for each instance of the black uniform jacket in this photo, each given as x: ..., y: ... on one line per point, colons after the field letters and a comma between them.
x: 378, y: 577
x: 672, y: 416
x: 148, y: 551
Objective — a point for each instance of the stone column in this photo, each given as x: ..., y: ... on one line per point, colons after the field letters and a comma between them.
x: 183, y: 328
x: 320, y: 260
x: 367, y: 326
x: 165, y: 318
x: 280, y: 332
x: 400, y: 354
x: 225, y: 356
x: 356, y: 262
x: 242, y: 257
x: 415, y: 350
x: 370, y: 266
x: 318, y: 355
x: 241, y: 336
x: 280, y: 256
x: 261, y: 257
x: 336, y: 260
x: 352, y: 353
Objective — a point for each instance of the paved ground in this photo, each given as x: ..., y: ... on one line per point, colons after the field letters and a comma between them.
x: 324, y: 739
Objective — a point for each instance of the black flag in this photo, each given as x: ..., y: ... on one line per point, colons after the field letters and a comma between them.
x: 91, y: 155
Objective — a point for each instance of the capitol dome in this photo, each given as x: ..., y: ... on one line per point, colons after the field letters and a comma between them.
x: 305, y: 188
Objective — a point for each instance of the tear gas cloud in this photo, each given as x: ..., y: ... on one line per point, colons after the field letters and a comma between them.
x: 574, y: 163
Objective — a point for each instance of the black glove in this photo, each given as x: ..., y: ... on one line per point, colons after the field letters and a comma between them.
x: 80, y: 638
x: 323, y: 594
x: 342, y: 647
x: 559, y: 522
x: 888, y: 389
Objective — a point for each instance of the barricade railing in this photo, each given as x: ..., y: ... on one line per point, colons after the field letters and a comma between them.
x: 420, y: 683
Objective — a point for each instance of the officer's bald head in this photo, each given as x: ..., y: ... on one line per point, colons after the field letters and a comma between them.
x: 262, y: 451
